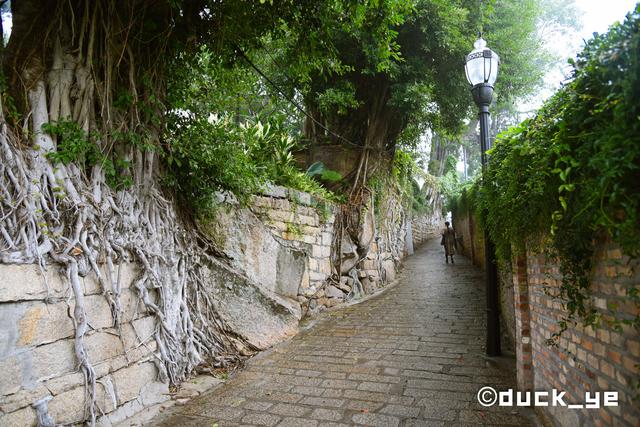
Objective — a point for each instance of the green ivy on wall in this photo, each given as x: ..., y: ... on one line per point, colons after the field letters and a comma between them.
x: 571, y: 174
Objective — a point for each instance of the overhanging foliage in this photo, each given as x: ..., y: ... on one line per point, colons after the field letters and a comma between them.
x: 570, y: 174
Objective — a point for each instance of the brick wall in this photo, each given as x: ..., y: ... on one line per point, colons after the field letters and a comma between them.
x: 586, y: 359
x: 283, y: 230
x: 470, y: 237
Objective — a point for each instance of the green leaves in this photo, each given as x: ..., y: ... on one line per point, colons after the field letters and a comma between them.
x: 74, y: 145
x: 209, y: 155
x: 319, y: 169
x: 571, y: 172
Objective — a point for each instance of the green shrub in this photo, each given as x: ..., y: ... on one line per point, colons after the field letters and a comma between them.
x: 208, y: 155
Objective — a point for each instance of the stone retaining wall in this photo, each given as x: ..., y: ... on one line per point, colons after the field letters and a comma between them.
x: 305, y: 223
x: 279, y: 261
x: 37, y: 349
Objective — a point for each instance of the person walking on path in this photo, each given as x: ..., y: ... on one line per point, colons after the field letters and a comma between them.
x: 449, y: 242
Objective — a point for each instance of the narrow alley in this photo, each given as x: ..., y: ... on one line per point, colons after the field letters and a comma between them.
x: 412, y: 356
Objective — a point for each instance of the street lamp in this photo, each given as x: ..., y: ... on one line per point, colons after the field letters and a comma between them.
x: 481, y: 67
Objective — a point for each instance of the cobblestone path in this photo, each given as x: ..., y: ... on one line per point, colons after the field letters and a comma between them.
x: 412, y: 356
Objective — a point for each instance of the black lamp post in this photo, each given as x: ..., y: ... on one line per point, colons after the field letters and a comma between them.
x: 481, y: 67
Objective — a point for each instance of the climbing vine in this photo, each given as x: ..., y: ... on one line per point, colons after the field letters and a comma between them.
x: 569, y: 176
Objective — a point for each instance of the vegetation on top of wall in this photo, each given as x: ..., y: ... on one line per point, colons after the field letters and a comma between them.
x: 225, y: 132
x: 218, y: 154
x: 407, y: 171
x: 570, y: 174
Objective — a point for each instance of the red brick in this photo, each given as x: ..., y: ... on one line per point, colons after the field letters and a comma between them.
x: 630, y: 364
x: 614, y: 357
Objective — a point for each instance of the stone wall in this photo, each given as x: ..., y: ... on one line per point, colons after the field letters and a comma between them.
x: 306, y: 225
x: 276, y: 267
x: 425, y: 227
x: 37, y: 357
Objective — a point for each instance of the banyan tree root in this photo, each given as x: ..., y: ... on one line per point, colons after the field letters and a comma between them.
x: 83, y: 234
x: 64, y: 215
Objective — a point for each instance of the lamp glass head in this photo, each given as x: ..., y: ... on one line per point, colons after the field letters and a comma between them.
x: 481, y: 65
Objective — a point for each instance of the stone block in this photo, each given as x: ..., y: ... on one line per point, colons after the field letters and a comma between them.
x: 21, y: 399
x: 300, y: 197
x: 101, y: 346
x: 304, y: 283
x: 306, y: 238
x: 123, y: 412
x: 132, y: 305
x: 333, y: 292
x: 320, y: 251
x: 275, y: 191
x: 11, y: 374
x: 310, y: 231
x: 52, y: 360
x: 327, y: 238
x: 130, y: 381
x: 390, y: 269
x: 281, y: 205
x: 261, y: 202
x: 98, y: 311
x: 154, y: 392
x: 330, y: 219
x: 65, y: 382
x: 308, y: 220
x: 280, y: 226
x: 324, y: 266
x: 21, y: 418
x: 38, y: 322
x: 290, y: 267
x: 283, y: 216
x: 68, y: 407
x: 20, y: 282
x: 138, y: 331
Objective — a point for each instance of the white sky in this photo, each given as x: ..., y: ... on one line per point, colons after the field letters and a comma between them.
x: 597, y: 16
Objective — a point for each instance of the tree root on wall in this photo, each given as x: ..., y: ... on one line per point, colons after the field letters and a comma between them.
x: 60, y: 215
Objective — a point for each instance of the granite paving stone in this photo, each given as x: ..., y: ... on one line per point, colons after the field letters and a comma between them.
x: 411, y: 356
